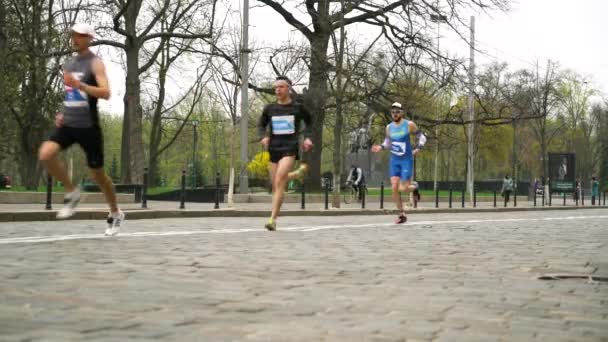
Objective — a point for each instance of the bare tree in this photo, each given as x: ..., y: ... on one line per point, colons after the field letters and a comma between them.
x: 574, y: 95
x: 544, y: 105
x: 181, y: 109
x: 144, y: 39
x: 345, y: 77
x: 30, y: 87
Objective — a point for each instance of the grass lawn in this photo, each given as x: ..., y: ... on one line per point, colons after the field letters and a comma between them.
x: 41, y: 188
x: 370, y: 191
x: 442, y: 193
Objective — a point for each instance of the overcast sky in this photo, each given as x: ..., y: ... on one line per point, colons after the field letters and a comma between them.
x: 570, y: 32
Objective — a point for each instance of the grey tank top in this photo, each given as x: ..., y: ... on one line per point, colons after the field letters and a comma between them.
x: 80, y: 109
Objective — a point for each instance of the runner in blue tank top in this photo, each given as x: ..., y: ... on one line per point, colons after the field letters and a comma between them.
x: 402, y: 160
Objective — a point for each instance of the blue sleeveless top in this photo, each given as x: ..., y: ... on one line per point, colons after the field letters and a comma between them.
x: 401, y: 148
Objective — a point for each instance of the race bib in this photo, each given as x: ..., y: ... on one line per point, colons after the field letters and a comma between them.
x: 398, y: 148
x: 75, y: 97
x: 283, y: 125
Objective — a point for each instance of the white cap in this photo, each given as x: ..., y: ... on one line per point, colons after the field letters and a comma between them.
x: 84, y: 29
x: 396, y: 105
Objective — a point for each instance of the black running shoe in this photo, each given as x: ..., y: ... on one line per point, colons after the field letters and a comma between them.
x: 401, y: 219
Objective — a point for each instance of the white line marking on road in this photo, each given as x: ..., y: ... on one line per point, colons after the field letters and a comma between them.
x: 54, y: 238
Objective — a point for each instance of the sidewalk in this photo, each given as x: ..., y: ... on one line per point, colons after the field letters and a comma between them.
x: 166, y: 209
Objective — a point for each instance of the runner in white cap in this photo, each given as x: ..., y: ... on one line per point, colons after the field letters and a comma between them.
x: 85, y: 81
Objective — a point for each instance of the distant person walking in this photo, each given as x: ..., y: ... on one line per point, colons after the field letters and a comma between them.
x: 507, y: 189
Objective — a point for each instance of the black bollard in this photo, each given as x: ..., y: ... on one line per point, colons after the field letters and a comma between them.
x: 49, y: 192
x: 182, y: 196
x: 474, y: 197
x: 144, y: 199
x: 437, y: 198
x: 564, y: 199
x: 462, y: 197
x: 494, y: 198
x: 382, y: 195
x: 303, y: 199
x: 583, y: 197
x: 362, y: 194
x: 217, y: 191
x: 550, y: 198
x: 535, y: 197
x: 604, y: 203
x: 450, y: 198
x: 515, y: 198
x: 326, y: 194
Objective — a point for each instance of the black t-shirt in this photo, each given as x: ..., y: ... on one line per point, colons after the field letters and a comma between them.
x: 284, y: 122
x: 354, y: 174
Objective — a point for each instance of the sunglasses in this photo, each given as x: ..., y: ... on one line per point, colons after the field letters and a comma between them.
x: 395, y: 111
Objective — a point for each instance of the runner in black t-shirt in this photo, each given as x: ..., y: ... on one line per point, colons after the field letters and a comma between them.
x: 278, y: 129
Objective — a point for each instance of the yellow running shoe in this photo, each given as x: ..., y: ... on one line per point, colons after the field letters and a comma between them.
x: 271, y: 225
x: 300, y: 172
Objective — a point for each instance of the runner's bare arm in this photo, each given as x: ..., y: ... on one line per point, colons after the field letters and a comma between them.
x: 385, y: 144
x: 412, y: 127
x: 262, y: 127
x: 102, y: 90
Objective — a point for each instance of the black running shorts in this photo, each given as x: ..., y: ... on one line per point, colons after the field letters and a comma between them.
x: 90, y: 139
x: 275, y: 156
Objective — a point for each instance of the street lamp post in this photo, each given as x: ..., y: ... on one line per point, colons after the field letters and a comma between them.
x: 244, y: 179
x: 437, y: 19
x: 194, y: 139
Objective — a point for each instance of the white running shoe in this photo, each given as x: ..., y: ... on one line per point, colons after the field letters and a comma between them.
x: 114, y: 222
x: 70, y: 202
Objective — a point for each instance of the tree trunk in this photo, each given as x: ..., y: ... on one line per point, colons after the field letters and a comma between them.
x: 132, y: 155
x: 125, y: 170
x: 155, y: 130
x: 543, y: 156
x: 155, y: 140
x: 315, y: 102
x: 31, y: 137
x: 31, y: 131
x: 337, y: 157
x: 28, y: 161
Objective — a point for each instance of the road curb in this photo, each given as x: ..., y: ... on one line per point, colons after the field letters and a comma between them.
x: 141, y: 214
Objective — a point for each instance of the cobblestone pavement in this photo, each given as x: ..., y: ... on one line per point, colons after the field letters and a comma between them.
x: 445, y: 277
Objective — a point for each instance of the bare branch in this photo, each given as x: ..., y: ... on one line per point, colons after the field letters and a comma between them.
x: 289, y: 18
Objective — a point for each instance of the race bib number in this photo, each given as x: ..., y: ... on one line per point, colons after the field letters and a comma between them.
x: 398, y: 148
x: 283, y: 125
